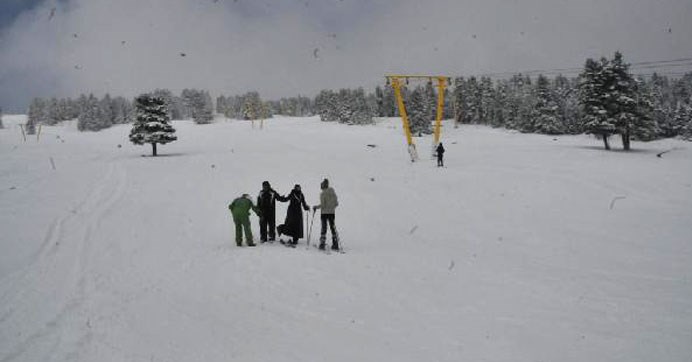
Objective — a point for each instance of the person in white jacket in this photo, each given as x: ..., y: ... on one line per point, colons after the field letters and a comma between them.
x: 327, y: 206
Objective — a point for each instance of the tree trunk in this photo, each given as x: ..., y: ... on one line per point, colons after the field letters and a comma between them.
x: 626, y: 140
x: 605, y: 141
x: 153, y: 149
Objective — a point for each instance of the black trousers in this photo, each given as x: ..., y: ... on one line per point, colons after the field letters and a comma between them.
x: 268, y: 222
x: 328, y: 219
x: 440, y: 163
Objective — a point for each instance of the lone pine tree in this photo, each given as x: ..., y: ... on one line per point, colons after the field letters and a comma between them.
x: 592, y: 92
x: 151, y: 122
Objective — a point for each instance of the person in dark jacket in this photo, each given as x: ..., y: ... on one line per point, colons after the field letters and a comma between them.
x: 293, y: 225
x: 440, y: 151
x: 266, y: 202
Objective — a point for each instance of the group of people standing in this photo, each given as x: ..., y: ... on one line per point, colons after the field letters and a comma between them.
x: 292, y: 227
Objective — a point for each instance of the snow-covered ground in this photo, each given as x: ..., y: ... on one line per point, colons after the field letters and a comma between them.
x: 524, y: 248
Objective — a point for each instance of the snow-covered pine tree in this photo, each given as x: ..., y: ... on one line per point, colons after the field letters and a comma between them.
x: 208, y: 108
x: 64, y: 109
x: 682, y: 89
x: 122, y: 112
x: 200, y: 106
x: 251, y: 107
x: 304, y: 107
x: 419, y: 112
x: 527, y: 104
x: 592, y: 93
x: 186, y: 98
x: 52, y: 112
x: 644, y: 126
x: 683, y: 117
x: 662, y: 103
x: 228, y: 106
x: 152, y: 124
x: 37, y: 114
x: 176, y: 110
x: 344, y: 109
x: 82, y: 103
x: 389, y: 106
x: 266, y: 110
x: 520, y: 104
x: 458, y: 100
x: 238, y: 106
x: 107, y: 112
x: 287, y: 107
x: 471, y: 101
x: 448, y: 110
x: 431, y: 96
x: 485, y: 100
x: 221, y: 104
x: 546, y: 117
x: 620, y: 97
x: 72, y: 109
x: 361, y: 113
x: 295, y: 106
x: 499, y: 104
x: 680, y: 118
x: 567, y: 101
x: 379, y: 99
x: 371, y: 104
x: 91, y: 118
x: 326, y: 106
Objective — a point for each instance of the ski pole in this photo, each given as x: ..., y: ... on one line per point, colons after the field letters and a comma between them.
x: 312, y: 221
x: 307, y: 224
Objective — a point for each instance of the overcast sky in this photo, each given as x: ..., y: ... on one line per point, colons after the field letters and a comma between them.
x: 289, y: 47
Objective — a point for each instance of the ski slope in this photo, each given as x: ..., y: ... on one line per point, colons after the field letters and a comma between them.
x: 523, y: 248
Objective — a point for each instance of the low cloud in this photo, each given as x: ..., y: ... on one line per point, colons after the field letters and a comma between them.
x: 283, y: 48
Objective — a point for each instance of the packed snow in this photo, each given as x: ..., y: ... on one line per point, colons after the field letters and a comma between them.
x: 523, y: 248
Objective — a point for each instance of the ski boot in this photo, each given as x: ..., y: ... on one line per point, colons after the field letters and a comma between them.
x: 335, y: 242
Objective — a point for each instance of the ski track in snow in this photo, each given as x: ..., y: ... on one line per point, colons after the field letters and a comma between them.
x: 46, y: 269
x: 509, y: 253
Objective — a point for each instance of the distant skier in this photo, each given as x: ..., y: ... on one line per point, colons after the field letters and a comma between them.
x: 440, y: 151
x: 266, y: 202
x: 240, y: 209
x: 293, y: 225
x: 327, y: 206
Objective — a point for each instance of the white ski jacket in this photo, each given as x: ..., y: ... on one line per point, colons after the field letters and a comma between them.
x: 328, y: 201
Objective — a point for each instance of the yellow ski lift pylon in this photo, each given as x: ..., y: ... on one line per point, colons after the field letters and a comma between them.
x: 395, y: 81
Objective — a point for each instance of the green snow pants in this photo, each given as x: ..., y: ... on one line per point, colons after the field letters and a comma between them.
x: 240, y: 225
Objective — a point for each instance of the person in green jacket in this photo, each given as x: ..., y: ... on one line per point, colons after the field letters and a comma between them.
x: 240, y: 209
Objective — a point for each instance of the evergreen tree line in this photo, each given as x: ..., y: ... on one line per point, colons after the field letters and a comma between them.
x: 192, y: 103
x: 95, y: 114
x: 248, y: 106
x: 605, y: 99
x: 299, y: 106
x: 92, y: 114
x: 348, y: 106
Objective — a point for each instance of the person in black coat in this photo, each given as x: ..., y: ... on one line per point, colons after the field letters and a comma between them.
x: 293, y: 226
x: 440, y: 151
x: 266, y: 202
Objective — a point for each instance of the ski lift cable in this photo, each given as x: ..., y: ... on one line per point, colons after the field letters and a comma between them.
x: 646, y: 64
